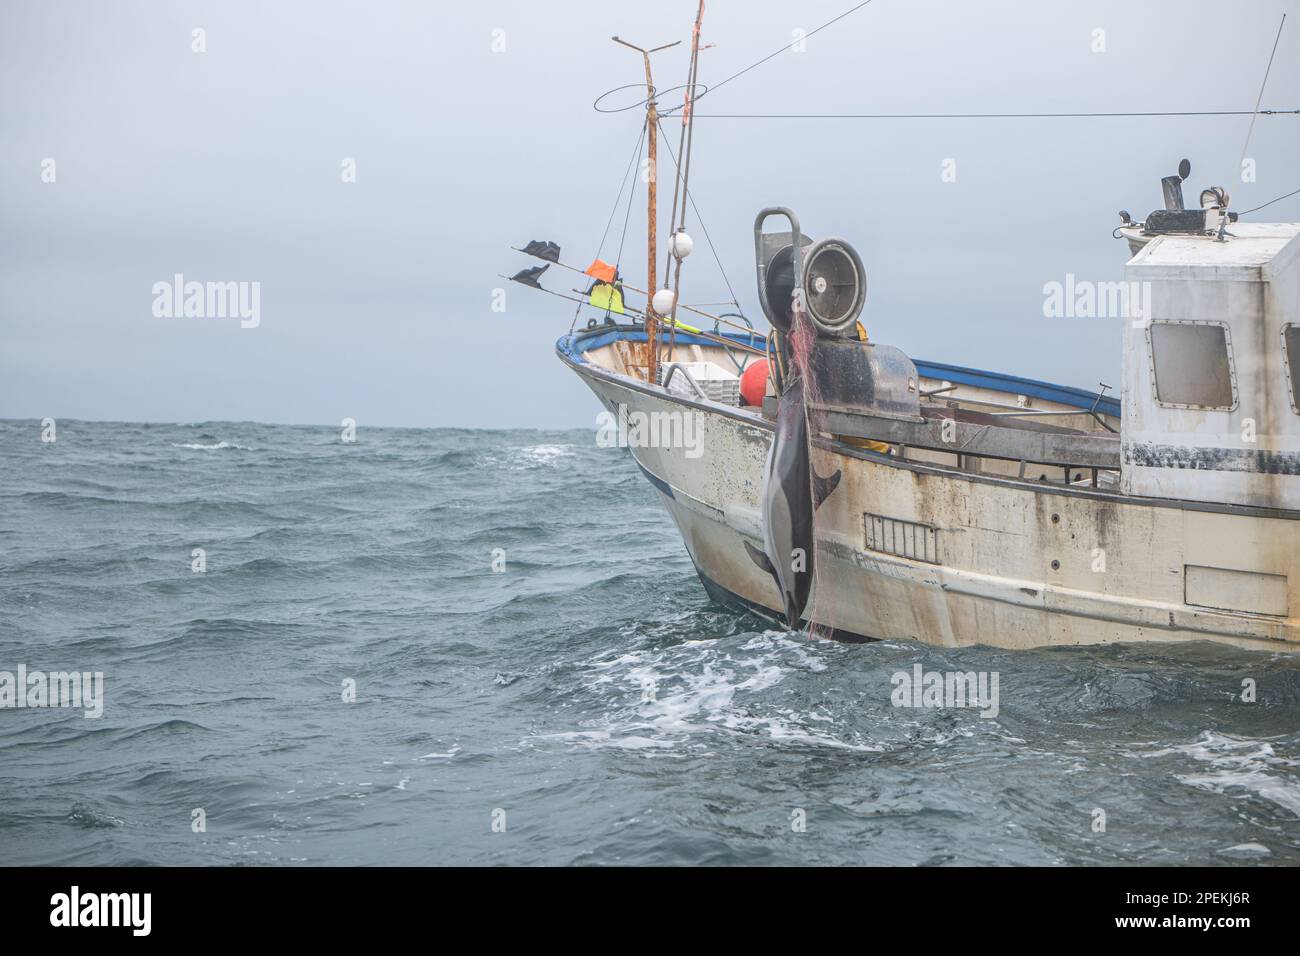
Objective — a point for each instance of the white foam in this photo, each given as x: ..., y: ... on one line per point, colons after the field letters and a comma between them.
x: 667, y: 696
x: 1252, y: 781
x: 604, y: 738
x: 1238, y: 763
x: 544, y: 454
x: 455, y: 749
x: 194, y: 446
x: 1248, y: 849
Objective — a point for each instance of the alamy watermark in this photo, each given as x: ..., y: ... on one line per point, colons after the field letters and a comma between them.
x: 55, y: 689
x: 75, y: 908
x: 637, y: 429
x: 208, y: 300
x: 1084, y: 299
x: 946, y: 689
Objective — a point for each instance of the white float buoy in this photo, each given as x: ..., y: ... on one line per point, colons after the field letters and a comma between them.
x: 663, y: 301
x: 680, y: 244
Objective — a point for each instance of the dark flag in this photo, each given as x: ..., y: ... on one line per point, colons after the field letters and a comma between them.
x: 529, y: 276
x: 542, y: 250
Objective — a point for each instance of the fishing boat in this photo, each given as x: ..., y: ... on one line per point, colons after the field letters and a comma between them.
x: 822, y: 479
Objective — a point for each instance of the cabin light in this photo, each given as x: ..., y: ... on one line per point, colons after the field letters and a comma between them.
x: 663, y: 301
x: 680, y: 245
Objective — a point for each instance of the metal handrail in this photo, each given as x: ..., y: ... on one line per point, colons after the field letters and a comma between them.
x: 797, y: 261
x: 690, y: 379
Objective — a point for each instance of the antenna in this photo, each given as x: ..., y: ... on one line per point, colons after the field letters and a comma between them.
x: 652, y: 126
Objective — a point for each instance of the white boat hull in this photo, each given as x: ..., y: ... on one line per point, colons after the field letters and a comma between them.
x: 911, y: 551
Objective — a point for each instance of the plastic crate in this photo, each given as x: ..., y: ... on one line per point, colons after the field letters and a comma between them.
x: 716, y: 382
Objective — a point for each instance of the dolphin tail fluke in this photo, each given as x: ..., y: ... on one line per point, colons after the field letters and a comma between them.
x: 793, y: 612
x: 788, y: 599
x: 822, y: 487
x: 761, y: 559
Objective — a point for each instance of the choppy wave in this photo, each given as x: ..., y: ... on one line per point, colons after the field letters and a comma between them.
x: 388, y: 642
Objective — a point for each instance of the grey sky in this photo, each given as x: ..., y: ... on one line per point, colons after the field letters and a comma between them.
x: 376, y: 295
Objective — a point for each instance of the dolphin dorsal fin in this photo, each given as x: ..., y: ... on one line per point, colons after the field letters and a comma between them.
x: 822, y: 487
x: 762, y: 560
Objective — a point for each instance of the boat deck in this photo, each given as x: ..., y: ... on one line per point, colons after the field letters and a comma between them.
x: 971, y: 420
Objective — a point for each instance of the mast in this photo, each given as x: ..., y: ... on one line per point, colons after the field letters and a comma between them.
x: 652, y: 213
x: 684, y: 173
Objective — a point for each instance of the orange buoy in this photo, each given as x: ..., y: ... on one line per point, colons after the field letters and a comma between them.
x: 753, y: 383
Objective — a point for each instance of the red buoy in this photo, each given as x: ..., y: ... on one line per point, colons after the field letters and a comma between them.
x: 753, y: 383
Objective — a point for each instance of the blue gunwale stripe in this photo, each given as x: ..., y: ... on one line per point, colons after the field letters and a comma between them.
x: 575, y: 343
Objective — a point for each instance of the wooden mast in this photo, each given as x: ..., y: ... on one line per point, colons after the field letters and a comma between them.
x: 652, y: 214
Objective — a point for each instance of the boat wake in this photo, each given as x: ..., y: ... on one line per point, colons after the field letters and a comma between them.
x: 676, y: 697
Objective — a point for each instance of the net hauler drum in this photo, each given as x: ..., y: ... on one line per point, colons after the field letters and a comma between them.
x: 829, y: 273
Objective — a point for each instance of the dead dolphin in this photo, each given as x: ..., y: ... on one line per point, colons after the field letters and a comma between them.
x: 792, y: 491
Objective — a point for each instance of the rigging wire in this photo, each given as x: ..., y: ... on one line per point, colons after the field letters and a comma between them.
x: 627, y: 217
x: 618, y: 200
x: 631, y: 194
x: 757, y: 63
x: 772, y: 55
x: 622, y: 184
x: 1270, y: 202
x: 709, y: 238
x: 691, y: 98
x: 1268, y: 69
x: 1294, y: 112
x: 1252, y: 113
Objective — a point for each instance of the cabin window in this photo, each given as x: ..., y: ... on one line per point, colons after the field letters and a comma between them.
x: 1192, y: 364
x: 1291, y: 359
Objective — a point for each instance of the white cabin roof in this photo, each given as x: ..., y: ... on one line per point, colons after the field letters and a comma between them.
x: 1248, y: 247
